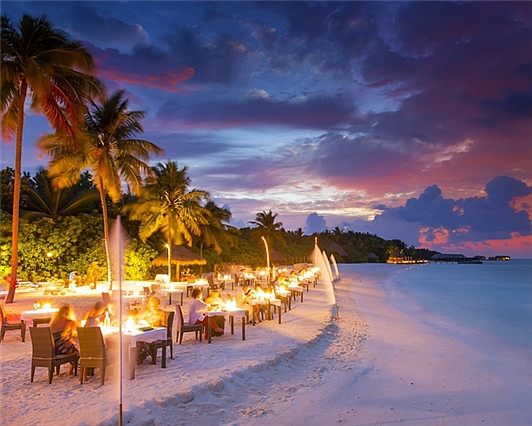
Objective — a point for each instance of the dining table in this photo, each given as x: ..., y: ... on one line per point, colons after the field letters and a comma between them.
x: 266, y: 304
x: 224, y: 281
x: 285, y: 296
x: 130, y: 338
x: 201, y: 285
x: 262, y: 302
x: 296, y: 290
x: 231, y: 313
x: 38, y: 316
x: 167, y: 294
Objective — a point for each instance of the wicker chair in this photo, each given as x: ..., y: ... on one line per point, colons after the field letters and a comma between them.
x: 184, y: 327
x: 43, y: 353
x: 9, y: 326
x: 162, y: 344
x: 92, y: 351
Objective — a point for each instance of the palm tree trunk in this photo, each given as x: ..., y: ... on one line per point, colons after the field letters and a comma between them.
x: 106, y: 233
x: 201, y: 254
x: 16, y: 193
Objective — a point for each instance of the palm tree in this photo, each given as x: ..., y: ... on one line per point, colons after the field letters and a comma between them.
x: 267, y: 227
x: 41, y: 62
x: 218, y: 234
x: 43, y: 200
x: 107, y: 149
x: 166, y: 204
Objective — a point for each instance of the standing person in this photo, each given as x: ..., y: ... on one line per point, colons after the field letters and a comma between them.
x: 73, y: 278
x: 63, y: 327
x: 196, y: 317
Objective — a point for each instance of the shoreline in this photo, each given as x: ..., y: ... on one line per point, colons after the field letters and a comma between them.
x: 428, y: 370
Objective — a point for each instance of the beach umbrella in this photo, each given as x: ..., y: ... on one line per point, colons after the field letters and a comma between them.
x: 328, y: 265
x: 117, y: 243
x: 320, y: 260
x: 179, y: 255
x: 316, y: 253
x: 336, y: 272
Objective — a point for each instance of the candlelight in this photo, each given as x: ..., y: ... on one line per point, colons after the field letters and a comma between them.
x: 230, y: 305
x: 130, y: 324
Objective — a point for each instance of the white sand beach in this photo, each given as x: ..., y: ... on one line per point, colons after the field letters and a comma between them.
x: 375, y: 365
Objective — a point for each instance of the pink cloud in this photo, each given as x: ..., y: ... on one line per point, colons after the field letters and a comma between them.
x: 518, y: 246
x: 169, y: 81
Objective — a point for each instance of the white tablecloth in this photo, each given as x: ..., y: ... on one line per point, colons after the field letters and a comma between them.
x: 38, y: 314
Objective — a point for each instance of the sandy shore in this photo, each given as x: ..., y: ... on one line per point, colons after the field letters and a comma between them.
x: 375, y: 365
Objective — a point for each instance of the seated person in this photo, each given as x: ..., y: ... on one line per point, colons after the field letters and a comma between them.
x: 214, y: 299
x: 64, y: 331
x: 153, y: 314
x: 196, y: 317
x: 245, y: 295
x: 155, y: 317
x: 95, y: 316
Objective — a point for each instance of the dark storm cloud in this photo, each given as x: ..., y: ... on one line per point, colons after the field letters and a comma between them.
x: 213, y: 61
x: 469, y: 219
x: 186, y: 146
x: 512, y: 105
x: 313, y: 112
x: 82, y: 18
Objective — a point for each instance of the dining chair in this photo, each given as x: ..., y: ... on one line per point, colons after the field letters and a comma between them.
x: 9, y: 326
x: 92, y: 352
x: 43, y: 353
x: 45, y: 321
x: 184, y: 327
x: 162, y: 344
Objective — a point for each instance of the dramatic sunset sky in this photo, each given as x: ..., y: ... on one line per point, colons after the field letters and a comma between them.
x: 408, y: 120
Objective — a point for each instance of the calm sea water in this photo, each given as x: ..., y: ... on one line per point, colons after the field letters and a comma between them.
x: 494, y: 298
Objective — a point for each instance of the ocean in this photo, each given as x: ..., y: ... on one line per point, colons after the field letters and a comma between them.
x: 493, y: 300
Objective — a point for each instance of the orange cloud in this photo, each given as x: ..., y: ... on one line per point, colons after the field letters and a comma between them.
x: 167, y: 81
x: 518, y: 246
x: 429, y: 237
x: 522, y: 204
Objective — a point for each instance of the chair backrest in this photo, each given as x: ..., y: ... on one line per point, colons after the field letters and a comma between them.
x: 179, y: 312
x: 42, y: 342
x: 169, y: 323
x: 147, y: 291
x: 91, y: 344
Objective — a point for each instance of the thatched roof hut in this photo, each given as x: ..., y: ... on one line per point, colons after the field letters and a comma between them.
x: 179, y: 255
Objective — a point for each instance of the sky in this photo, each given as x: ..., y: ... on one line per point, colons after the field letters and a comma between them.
x: 409, y: 120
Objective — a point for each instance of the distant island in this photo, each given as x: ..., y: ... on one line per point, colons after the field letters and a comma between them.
x: 460, y: 258
x: 398, y: 258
